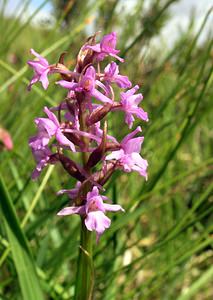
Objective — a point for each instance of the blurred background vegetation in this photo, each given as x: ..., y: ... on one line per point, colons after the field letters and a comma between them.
x: 161, y: 248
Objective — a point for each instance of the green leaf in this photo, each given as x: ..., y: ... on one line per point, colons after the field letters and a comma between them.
x: 22, y: 257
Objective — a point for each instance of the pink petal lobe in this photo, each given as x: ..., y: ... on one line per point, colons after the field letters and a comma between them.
x: 113, y: 207
x: 97, y: 221
x: 71, y: 210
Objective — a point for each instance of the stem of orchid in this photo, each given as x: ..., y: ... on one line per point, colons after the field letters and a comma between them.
x: 85, y: 270
x: 85, y: 273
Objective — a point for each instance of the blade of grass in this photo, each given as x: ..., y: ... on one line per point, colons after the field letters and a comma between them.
x: 22, y: 257
x: 49, y: 50
x: 18, y: 30
x: 197, y: 285
x: 37, y: 196
x: 182, y: 135
x: 31, y: 208
x: 143, y: 31
x: 15, y: 22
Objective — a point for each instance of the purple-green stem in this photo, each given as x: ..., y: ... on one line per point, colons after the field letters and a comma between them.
x: 85, y: 272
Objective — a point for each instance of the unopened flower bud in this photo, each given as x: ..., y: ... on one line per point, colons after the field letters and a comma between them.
x: 103, y: 175
x: 85, y: 55
x: 71, y: 167
x: 112, y: 146
x: 99, y: 114
x: 98, y: 153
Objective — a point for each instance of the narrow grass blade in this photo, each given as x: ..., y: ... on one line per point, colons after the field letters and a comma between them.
x: 23, y: 260
x: 197, y: 285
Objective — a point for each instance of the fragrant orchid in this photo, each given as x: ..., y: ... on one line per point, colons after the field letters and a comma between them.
x: 78, y: 125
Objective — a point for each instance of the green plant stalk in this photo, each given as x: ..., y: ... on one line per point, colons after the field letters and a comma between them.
x: 85, y: 273
x: 85, y: 276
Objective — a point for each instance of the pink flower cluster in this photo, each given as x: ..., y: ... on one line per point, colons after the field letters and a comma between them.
x: 79, y: 124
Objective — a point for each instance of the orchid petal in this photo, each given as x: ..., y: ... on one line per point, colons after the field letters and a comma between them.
x: 113, y: 207
x: 72, y: 210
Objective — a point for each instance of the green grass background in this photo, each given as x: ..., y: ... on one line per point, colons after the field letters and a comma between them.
x: 161, y: 248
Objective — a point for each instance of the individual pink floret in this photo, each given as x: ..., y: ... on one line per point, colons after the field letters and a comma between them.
x: 106, y: 47
x: 94, y: 212
x: 49, y: 127
x: 128, y: 156
x: 42, y: 157
x: 86, y: 85
x: 41, y: 68
x: 111, y: 74
x: 129, y: 104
